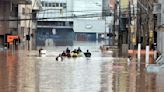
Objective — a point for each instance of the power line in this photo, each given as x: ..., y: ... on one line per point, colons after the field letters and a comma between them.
x: 79, y: 16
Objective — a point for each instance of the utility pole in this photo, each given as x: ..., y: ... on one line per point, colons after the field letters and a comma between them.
x: 114, y: 23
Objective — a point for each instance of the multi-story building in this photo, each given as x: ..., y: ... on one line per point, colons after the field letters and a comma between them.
x: 55, y: 22
x: 69, y: 17
x: 8, y: 17
x: 17, y: 18
x: 28, y: 23
x: 146, y: 23
x: 86, y: 26
x: 93, y: 21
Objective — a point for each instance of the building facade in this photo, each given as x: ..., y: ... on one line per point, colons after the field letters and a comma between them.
x: 17, y: 18
x: 146, y: 23
x: 93, y: 10
x: 55, y: 22
x: 8, y: 18
x: 62, y: 16
x: 28, y: 23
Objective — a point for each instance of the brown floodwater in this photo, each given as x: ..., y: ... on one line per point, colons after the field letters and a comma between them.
x: 24, y: 71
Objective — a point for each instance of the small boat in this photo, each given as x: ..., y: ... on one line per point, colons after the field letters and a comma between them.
x: 80, y: 54
x: 87, y: 54
x: 59, y: 58
x: 42, y: 52
x: 68, y: 55
x: 74, y: 54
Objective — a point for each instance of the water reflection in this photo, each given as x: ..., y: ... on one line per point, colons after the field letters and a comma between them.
x: 8, y: 71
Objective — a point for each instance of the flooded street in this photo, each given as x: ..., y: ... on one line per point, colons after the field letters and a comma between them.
x: 23, y: 71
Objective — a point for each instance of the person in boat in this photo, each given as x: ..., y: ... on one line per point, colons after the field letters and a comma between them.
x: 40, y: 51
x: 59, y: 58
x: 87, y: 54
x: 79, y: 50
x: 68, y: 54
x: 64, y: 53
x: 67, y: 50
x: 74, y: 51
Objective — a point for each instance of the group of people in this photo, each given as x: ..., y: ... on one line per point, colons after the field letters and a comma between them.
x: 74, y: 53
x: 67, y: 53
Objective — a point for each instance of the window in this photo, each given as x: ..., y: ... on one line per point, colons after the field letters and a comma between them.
x: 57, y: 4
x: 53, y: 4
x: 61, y: 4
x: 50, y: 5
x: 43, y: 3
x: 64, y: 5
x: 46, y: 4
x: 23, y: 10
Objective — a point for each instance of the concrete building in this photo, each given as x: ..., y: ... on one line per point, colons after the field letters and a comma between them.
x: 62, y: 16
x: 8, y: 12
x: 146, y: 23
x: 27, y: 25
x: 55, y: 21
x: 16, y: 18
x: 88, y: 30
x: 92, y: 10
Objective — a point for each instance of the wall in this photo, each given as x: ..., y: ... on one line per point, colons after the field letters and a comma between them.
x: 59, y: 38
x: 4, y: 25
x: 25, y: 26
x: 91, y: 26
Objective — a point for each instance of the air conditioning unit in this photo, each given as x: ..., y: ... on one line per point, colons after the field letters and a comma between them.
x: 157, y: 8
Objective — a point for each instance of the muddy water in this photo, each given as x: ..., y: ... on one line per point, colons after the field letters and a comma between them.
x: 23, y: 71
